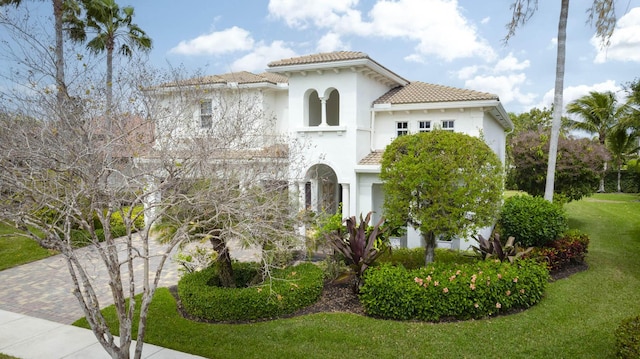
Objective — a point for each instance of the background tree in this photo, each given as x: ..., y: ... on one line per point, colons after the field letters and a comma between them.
x: 602, y: 15
x: 623, y: 143
x: 579, y: 167
x: 63, y: 11
x: 114, y: 29
x: 441, y: 183
x: 600, y: 114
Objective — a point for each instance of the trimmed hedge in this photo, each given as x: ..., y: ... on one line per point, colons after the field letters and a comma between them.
x: 413, y: 258
x: 628, y: 338
x: 533, y: 221
x: 289, y: 289
x: 460, y: 291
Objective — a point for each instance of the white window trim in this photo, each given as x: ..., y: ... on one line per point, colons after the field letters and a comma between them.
x: 202, y: 116
x: 401, y: 131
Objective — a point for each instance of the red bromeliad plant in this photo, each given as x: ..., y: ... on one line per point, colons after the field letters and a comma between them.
x: 359, y: 248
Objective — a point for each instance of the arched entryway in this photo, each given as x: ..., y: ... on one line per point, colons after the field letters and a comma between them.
x: 322, y: 192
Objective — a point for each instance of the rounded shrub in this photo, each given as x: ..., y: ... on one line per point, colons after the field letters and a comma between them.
x: 287, y: 290
x: 628, y: 338
x: 533, y: 221
x: 460, y: 291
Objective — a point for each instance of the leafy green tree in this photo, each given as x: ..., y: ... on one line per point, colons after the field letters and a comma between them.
x: 441, y: 183
x: 579, y: 167
x: 603, y: 16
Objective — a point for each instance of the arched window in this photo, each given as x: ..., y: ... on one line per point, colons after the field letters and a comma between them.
x: 333, y: 108
x: 314, y: 116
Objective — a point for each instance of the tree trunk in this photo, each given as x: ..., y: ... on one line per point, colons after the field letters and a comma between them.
x: 430, y: 246
x: 604, y: 173
x: 619, y: 175
x: 557, y: 101
x: 225, y: 270
x: 61, y: 86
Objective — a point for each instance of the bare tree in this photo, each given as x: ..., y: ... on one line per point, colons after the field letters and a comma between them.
x: 65, y: 183
x: 602, y: 15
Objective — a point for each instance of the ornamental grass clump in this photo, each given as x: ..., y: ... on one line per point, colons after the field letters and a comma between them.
x: 459, y: 291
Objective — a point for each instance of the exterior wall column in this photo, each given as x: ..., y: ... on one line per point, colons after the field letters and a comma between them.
x: 315, y: 195
x: 323, y: 106
x: 346, y: 200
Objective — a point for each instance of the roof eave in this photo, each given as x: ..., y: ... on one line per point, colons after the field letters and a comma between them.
x: 366, y: 62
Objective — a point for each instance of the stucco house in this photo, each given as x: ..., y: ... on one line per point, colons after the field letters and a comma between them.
x: 348, y: 108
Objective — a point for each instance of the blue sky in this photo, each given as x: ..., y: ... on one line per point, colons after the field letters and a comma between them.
x: 454, y: 43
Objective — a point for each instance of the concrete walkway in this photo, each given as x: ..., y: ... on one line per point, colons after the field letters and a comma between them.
x: 36, y: 302
x: 26, y: 337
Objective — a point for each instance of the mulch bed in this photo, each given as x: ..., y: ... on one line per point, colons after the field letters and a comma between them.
x: 339, y: 297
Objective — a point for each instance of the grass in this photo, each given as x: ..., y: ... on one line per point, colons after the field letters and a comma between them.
x: 16, y: 250
x: 576, y: 319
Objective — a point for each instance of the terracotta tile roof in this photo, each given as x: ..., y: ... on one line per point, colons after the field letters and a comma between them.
x: 373, y: 158
x: 420, y: 92
x: 242, y: 77
x: 322, y: 57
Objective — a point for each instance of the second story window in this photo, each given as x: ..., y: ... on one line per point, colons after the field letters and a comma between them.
x: 424, y: 126
x: 206, y: 114
x: 447, y: 125
x: 402, y: 128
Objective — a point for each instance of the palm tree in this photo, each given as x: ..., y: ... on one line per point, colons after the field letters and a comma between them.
x: 61, y: 9
x: 600, y: 114
x: 110, y: 23
x: 622, y: 141
x: 602, y: 15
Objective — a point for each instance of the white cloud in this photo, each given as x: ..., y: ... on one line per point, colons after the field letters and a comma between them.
x: 485, y: 20
x: 465, y: 73
x: 257, y: 60
x: 331, y: 42
x: 510, y: 63
x: 507, y: 87
x: 323, y: 13
x: 504, y: 78
x: 625, y: 41
x: 436, y: 26
x: 415, y: 58
x: 216, y: 43
x: 573, y: 93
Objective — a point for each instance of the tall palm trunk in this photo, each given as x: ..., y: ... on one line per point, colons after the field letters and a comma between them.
x: 61, y: 86
x: 557, y: 101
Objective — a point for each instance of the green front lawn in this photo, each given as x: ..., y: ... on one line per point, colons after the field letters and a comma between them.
x: 16, y: 250
x: 576, y: 319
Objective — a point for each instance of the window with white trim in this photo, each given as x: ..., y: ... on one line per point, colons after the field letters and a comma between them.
x: 424, y: 126
x: 402, y: 128
x: 206, y: 114
x: 447, y: 125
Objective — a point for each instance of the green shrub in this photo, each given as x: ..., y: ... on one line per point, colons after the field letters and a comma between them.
x: 286, y: 291
x: 570, y: 249
x: 628, y: 338
x: 533, y: 221
x: 461, y: 291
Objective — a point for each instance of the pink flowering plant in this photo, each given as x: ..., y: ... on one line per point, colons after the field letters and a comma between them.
x: 459, y: 291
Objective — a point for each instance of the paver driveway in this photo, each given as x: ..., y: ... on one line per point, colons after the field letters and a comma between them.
x: 43, y: 289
